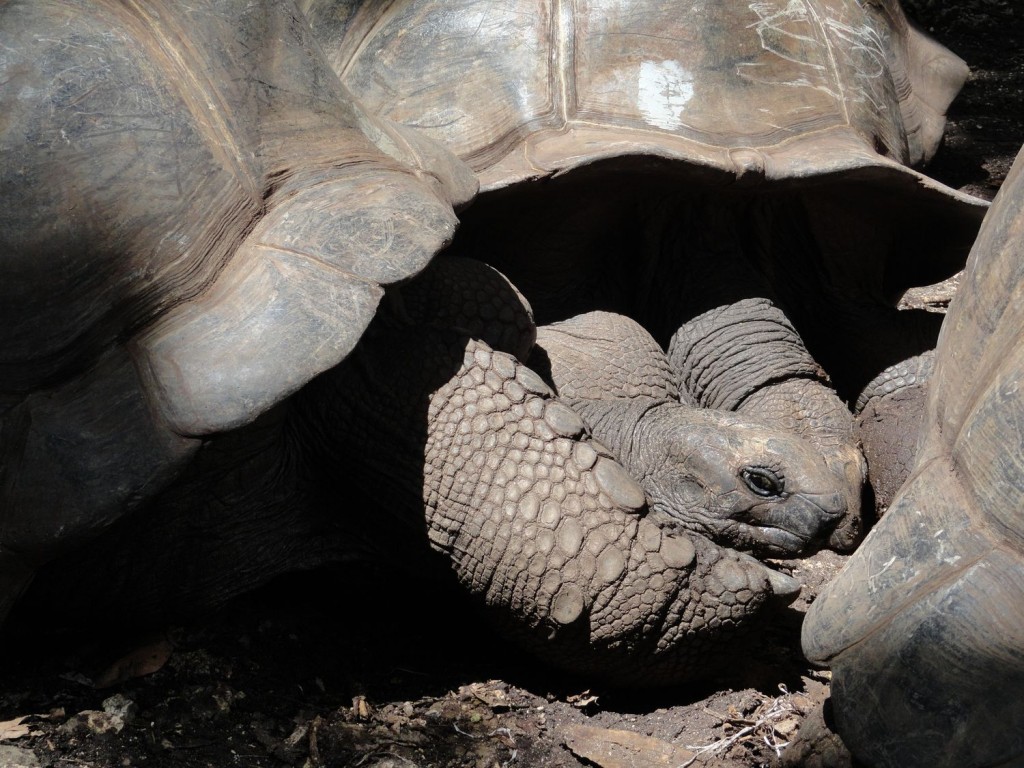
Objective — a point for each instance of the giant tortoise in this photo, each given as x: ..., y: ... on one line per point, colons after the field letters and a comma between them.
x: 198, y: 228
x: 924, y: 627
x: 732, y: 174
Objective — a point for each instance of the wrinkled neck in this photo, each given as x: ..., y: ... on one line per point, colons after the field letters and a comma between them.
x: 615, y: 422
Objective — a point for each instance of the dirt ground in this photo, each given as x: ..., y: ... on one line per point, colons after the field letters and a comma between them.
x: 985, y: 129
x: 352, y: 667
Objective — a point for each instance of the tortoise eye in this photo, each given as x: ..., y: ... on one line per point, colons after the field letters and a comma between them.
x: 763, y: 482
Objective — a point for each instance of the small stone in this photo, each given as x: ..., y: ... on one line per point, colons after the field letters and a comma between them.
x: 623, y: 749
x: 17, y: 757
x: 120, y: 706
x: 94, y: 721
x: 301, y: 732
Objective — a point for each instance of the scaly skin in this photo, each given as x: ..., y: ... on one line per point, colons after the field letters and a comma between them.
x: 747, y: 357
x: 889, y: 417
x: 696, y: 465
x: 692, y: 464
x: 538, y: 522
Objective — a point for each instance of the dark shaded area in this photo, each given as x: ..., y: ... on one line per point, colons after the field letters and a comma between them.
x: 335, y: 651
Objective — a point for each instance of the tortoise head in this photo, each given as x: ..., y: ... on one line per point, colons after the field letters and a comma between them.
x: 739, y: 482
x: 748, y: 483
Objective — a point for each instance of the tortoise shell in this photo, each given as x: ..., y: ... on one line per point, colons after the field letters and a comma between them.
x: 827, y: 101
x: 197, y: 219
x: 924, y: 627
x: 527, y: 89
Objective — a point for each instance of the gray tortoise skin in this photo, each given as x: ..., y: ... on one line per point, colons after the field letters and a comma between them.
x: 924, y: 628
x: 706, y: 170
x: 434, y: 443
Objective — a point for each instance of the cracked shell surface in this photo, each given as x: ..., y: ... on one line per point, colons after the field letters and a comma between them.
x: 809, y: 88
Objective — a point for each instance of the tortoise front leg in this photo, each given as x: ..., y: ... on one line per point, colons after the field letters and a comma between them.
x: 539, y: 524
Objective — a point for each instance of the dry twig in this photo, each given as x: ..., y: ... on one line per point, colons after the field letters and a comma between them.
x: 762, y: 723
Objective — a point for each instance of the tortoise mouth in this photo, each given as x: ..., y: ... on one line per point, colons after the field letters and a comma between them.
x: 801, y: 525
x: 780, y: 542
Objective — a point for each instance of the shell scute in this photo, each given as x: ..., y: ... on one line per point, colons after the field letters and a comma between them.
x: 501, y: 84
